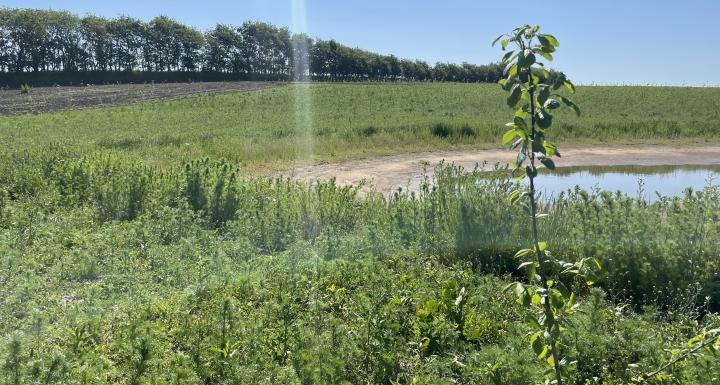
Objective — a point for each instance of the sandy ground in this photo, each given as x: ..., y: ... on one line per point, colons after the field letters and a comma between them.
x: 48, y: 99
x: 387, y: 174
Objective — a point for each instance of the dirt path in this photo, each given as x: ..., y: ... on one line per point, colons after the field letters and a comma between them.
x: 48, y: 99
x: 389, y: 173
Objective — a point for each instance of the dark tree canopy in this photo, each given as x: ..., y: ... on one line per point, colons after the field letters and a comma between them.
x: 41, y: 41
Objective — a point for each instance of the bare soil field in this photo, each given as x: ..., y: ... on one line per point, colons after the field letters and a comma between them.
x: 389, y: 173
x: 48, y: 99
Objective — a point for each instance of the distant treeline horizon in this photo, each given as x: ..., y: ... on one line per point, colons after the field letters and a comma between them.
x: 48, y: 47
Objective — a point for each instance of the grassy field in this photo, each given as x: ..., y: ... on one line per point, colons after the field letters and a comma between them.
x: 263, y: 130
x: 120, y: 263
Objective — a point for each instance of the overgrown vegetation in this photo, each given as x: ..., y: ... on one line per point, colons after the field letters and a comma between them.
x: 117, y: 272
x: 256, y: 129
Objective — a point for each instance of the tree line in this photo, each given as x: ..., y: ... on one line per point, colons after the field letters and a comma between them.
x: 35, y: 42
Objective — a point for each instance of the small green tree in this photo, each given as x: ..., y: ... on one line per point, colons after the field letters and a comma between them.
x: 551, y: 281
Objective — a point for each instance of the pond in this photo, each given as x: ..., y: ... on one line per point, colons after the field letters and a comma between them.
x: 646, y: 181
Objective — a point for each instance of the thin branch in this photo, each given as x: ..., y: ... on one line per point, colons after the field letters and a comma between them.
x: 677, y: 359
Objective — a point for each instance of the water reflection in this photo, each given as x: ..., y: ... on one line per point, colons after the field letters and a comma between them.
x: 637, y: 181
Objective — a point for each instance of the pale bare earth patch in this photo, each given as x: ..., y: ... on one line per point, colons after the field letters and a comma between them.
x: 388, y: 173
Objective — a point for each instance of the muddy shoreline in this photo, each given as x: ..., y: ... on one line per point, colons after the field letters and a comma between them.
x: 388, y: 173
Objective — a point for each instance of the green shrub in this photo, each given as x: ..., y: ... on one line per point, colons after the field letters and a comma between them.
x: 441, y: 130
x: 467, y: 131
x: 369, y: 131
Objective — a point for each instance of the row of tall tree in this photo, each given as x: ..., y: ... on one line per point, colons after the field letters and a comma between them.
x: 33, y: 41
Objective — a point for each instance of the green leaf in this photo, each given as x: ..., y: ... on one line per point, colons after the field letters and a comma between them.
x: 543, y: 119
x: 532, y: 321
x: 525, y: 298
x: 518, y: 174
x: 509, y: 66
x: 556, y: 299
x: 548, y: 163
x: 532, y: 272
x: 507, y: 83
x: 520, y: 31
x: 551, y: 39
x: 559, y: 80
x: 510, y: 286
x: 520, y: 123
x: 536, y: 299
x: 544, y: 352
x: 551, y: 361
x: 521, y: 157
x: 535, y: 336
x: 510, y: 136
x: 543, y: 40
x: 516, y: 196
x: 569, y: 103
x: 526, y: 58
x: 546, y: 55
x: 568, y: 84
x: 551, y: 104
x: 563, y: 289
x: 525, y: 264
x: 507, y: 57
x: 496, y: 40
x: 536, y: 343
x: 550, y: 148
x: 547, y: 49
x: 523, y: 253
x: 531, y: 171
x: 542, y: 246
x: 504, y: 44
x: 537, y: 144
x: 515, y: 95
x: 543, y: 95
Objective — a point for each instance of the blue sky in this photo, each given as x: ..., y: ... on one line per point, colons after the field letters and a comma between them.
x: 602, y: 42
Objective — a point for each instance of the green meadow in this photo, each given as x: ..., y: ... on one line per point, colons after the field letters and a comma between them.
x: 274, y: 128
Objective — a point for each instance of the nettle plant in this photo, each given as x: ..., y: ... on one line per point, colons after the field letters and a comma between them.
x: 551, y: 282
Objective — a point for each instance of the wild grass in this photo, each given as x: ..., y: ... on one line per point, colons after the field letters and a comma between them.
x: 259, y: 129
x: 113, y: 271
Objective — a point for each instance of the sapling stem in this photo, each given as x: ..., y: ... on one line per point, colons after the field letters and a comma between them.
x: 536, y: 96
x: 549, y: 316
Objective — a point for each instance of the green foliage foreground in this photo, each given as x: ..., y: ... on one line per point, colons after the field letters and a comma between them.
x: 113, y: 272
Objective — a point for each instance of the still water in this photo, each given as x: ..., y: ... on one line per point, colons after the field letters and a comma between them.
x: 663, y: 180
